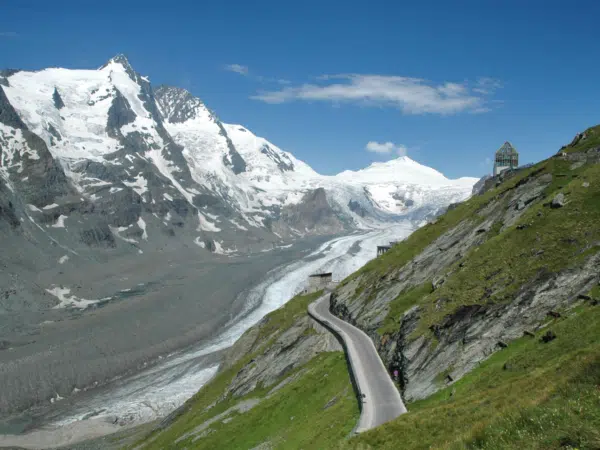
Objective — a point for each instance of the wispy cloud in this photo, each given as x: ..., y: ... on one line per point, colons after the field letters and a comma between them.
x: 487, y: 86
x: 410, y: 95
x: 8, y: 34
x: 237, y: 68
x: 245, y: 71
x: 386, y: 148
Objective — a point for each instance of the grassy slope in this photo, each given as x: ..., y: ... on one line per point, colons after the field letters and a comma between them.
x: 295, y: 417
x: 592, y: 140
x: 323, y: 378
x: 551, y: 240
x: 530, y: 395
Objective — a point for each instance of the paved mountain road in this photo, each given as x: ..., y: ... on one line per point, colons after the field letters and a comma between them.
x: 382, y: 401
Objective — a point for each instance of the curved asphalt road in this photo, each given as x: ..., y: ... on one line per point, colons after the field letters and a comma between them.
x: 382, y: 401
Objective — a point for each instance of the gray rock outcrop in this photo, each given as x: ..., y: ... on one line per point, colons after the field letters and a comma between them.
x: 469, y: 333
x: 558, y: 201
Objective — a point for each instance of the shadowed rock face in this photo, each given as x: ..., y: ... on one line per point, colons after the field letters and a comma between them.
x: 406, y: 202
x: 58, y: 101
x: 8, y: 115
x: 313, y: 213
x: 99, y: 236
x: 8, y: 215
x: 356, y: 207
x: 4, y: 74
x: 281, y: 164
x: 45, y: 178
x: 119, y: 114
x: 233, y: 159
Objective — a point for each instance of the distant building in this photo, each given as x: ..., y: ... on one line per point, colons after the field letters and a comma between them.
x: 381, y: 249
x: 319, y: 281
x: 507, y: 157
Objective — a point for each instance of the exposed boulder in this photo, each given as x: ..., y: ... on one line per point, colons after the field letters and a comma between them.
x: 558, y: 201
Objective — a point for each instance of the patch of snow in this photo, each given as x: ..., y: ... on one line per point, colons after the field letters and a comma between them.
x: 63, y: 259
x: 68, y: 300
x: 50, y: 206
x: 198, y: 241
x: 98, y: 184
x: 140, y: 185
x: 60, y: 222
x: 168, y: 197
x: 238, y: 226
x: 116, y: 232
x: 33, y: 208
x: 166, y: 168
x: 206, y: 225
x: 142, y: 225
x: 56, y: 399
x: 223, y: 251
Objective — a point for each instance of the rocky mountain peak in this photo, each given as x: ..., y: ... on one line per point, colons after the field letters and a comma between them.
x: 178, y: 105
x: 118, y: 59
x: 122, y: 60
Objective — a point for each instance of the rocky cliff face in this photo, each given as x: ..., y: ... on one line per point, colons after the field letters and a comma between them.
x: 498, y: 266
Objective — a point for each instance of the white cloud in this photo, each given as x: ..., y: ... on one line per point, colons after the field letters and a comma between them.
x: 386, y: 148
x: 237, y: 68
x: 410, y: 95
x: 487, y: 86
x: 245, y: 71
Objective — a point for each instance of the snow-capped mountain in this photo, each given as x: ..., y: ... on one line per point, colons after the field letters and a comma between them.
x: 101, y: 155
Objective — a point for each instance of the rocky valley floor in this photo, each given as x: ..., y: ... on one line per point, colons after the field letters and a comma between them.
x: 153, y: 391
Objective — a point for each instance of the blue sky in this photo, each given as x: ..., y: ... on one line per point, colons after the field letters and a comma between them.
x: 342, y: 84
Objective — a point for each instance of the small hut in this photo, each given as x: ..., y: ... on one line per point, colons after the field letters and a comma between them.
x: 318, y: 281
x: 381, y: 249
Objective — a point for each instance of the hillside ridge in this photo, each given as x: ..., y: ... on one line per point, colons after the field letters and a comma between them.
x: 490, y: 314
